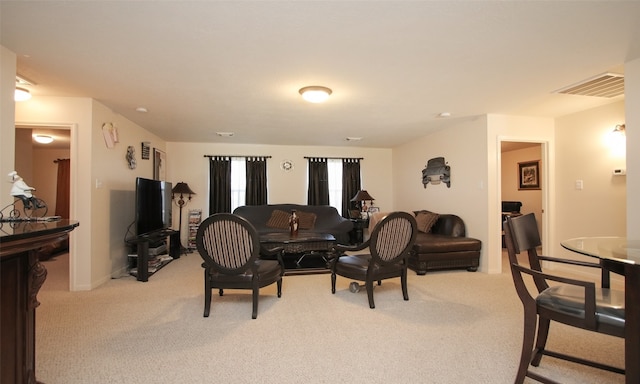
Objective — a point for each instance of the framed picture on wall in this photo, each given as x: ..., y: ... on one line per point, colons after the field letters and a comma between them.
x: 159, y: 164
x: 529, y: 175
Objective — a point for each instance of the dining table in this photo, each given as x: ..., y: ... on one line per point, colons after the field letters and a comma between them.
x: 619, y: 255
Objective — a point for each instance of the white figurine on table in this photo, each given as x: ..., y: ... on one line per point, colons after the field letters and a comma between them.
x: 24, y: 192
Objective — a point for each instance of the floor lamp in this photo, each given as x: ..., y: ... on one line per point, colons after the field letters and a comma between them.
x: 182, y: 189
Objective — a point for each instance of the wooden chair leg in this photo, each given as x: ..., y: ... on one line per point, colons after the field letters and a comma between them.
x: 369, y: 285
x: 207, y: 295
x: 541, y: 341
x: 256, y: 295
x: 527, y: 344
x: 403, y: 282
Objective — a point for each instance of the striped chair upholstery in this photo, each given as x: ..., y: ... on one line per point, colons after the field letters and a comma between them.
x: 389, y: 246
x: 230, y: 248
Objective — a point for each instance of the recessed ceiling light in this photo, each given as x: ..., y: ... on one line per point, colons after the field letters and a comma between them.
x: 444, y: 114
x: 43, y: 139
x: 315, y: 93
x: 141, y: 109
x: 224, y: 134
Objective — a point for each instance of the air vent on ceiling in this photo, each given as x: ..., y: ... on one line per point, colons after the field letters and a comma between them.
x: 604, y: 85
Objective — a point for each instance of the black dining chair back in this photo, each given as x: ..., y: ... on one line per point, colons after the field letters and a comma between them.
x: 230, y: 248
x: 569, y: 301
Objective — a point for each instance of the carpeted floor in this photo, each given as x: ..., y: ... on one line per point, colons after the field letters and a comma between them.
x: 457, y: 327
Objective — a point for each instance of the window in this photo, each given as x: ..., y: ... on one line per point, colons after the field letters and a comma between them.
x: 238, y: 182
x: 334, y: 170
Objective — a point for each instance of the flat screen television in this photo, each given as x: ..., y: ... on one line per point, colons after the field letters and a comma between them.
x: 153, y: 205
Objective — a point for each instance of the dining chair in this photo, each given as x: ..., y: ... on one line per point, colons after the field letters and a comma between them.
x: 389, y: 246
x: 573, y: 302
x: 230, y: 248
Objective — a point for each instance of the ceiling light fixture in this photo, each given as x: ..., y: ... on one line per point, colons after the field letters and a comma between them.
x: 224, y: 134
x: 354, y: 138
x: 141, y: 110
x: 21, y: 94
x: 43, y: 139
x: 315, y: 93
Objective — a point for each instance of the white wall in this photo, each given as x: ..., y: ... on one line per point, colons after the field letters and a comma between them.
x: 461, y: 143
x: 102, y: 184
x: 186, y: 162
x: 632, y: 116
x: 587, y: 152
x: 113, y: 184
x: 7, y: 121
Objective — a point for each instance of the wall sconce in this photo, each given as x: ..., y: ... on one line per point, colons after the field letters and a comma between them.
x: 620, y: 129
x: 437, y: 171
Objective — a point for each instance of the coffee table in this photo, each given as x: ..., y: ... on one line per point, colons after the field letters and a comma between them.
x: 302, y: 245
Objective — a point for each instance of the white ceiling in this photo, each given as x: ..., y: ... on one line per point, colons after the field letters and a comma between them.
x: 236, y: 66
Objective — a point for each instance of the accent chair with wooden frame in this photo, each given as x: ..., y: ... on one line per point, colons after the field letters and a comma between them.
x: 230, y: 248
x: 572, y: 302
x: 389, y: 246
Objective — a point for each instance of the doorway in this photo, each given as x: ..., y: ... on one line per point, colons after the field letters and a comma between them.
x: 39, y: 165
x: 516, y: 157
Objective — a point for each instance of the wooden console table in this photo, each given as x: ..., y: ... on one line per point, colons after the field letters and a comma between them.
x: 21, y: 276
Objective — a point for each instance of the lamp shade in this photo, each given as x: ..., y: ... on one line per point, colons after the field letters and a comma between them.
x: 183, y: 189
x: 362, y: 195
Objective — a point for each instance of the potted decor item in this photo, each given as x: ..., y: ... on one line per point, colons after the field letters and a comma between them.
x: 294, y: 221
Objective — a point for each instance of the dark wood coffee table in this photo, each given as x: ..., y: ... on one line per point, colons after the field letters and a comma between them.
x: 303, y: 245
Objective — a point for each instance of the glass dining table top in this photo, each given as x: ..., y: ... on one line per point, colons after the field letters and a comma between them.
x: 612, y: 248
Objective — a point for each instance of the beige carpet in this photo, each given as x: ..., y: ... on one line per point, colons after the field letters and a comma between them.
x: 457, y: 327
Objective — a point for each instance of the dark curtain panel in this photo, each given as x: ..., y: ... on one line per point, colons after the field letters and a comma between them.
x: 256, y: 181
x: 63, y: 188
x: 350, y: 183
x: 318, y: 193
x: 219, y: 185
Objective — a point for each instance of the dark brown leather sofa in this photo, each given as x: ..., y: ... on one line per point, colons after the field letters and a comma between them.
x: 445, y: 246
x: 326, y: 219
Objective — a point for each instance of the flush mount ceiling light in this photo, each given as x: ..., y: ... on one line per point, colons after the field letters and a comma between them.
x: 21, y: 94
x: 315, y: 93
x: 43, y: 139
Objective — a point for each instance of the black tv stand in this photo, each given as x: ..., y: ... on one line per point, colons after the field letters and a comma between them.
x: 141, y: 243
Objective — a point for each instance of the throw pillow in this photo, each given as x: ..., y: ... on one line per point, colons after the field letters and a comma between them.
x: 307, y: 219
x: 426, y: 220
x: 279, y: 219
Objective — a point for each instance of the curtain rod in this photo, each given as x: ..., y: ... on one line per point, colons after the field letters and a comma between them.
x: 334, y: 158
x: 210, y: 156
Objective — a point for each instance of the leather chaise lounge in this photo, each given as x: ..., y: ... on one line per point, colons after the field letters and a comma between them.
x: 443, y: 245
